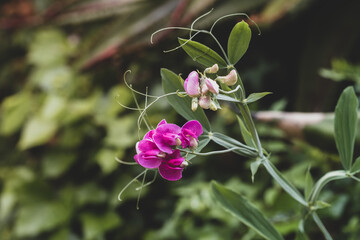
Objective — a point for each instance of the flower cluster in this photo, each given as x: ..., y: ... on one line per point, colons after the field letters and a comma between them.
x: 203, y: 90
x: 158, y: 148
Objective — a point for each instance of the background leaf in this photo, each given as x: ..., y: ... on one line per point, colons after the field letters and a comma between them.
x: 171, y: 83
x: 202, y: 54
x: 238, y: 42
x: 345, y: 126
x: 244, y: 211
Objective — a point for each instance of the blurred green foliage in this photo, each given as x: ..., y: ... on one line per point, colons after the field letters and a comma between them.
x: 61, y: 67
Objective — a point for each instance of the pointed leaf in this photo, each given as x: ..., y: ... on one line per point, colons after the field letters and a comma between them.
x: 172, y: 83
x: 356, y: 166
x: 254, y: 166
x: 223, y: 97
x: 345, y: 126
x: 244, y: 211
x: 256, y: 96
x: 285, y: 184
x: 229, y: 142
x: 245, y: 133
x: 239, y: 40
x: 201, y: 53
x: 309, y: 183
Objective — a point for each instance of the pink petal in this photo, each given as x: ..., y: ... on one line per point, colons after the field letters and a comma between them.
x: 145, y: 145
x: 148, y: 161
x: 193, y: 127
x: 212, y: 86
x: 170, y: 173
x: 191, y: 84
x: 149, y: 135
x: 161, y: 123
x: 165, y: 143
x: 204, y: 102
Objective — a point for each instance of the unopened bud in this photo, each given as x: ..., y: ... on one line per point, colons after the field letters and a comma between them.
x: 213, y: 69
x: 194, y: 104
x: 204, y: 102
x: 213, y: 106
x: 193, y: 143
x: 212, y: 85
x: 231, y: 78
x: 184, y: 164
x: 161, y: 155
x: 178, y: 141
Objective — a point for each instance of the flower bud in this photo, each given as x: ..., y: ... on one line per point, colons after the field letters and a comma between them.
x: 178, y: 141
x: 231, y: 78
x: 213, y: 106
x: 161, y: 155
x: 213, y: 69
x: 204, y: 102
x: 194, y: 104
x: 212, y: 86
x: 191, y: 84
x: 184, y: 164
x: 193, y: 143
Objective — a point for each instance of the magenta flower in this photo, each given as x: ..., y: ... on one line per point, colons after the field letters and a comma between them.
x: 167, y: 136
x: 190, y: 133
x: 148, y: 154
x: 191, y: 84
x: 171, y: 168
x: 158, y: 148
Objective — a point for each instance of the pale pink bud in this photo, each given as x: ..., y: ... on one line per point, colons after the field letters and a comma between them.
x: 184, y: 164
x: 231, y: 78
x: 194, y: 104
x: 212, y: 85
x: 191, y: 84
x: 213, y: 69
x: 213, y: 106
x: 204, y: 102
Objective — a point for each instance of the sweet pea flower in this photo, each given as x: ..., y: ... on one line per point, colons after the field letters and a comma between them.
x: 190, y: 133
x: 167, y: 136
x: 191, y: 84
x: 172, y: 166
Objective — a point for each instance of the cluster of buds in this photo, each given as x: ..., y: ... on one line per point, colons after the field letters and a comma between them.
x: 158, y: 148
x: 203, y: 89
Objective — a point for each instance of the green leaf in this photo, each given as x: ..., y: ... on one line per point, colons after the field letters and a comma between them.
x: 171, y: 83
x: 37, y: 131
x: 56, y: 163
x: 238, y: 42
x: 229, y: 142
x: 285, y: 184
x: 201, y: 53
x: 309, y: 183
x: 245, y: 133
x: 345, y: 126
x: 254, y: 166
x: 356, y: 166
x: 256, y: 96
x: 244, y: 211
x: 37, y: 218
x: 95, y: 226
x: 223, y: 97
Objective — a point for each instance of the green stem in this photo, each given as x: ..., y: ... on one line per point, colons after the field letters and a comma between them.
x: 328, y: 177
x: 321, y: 226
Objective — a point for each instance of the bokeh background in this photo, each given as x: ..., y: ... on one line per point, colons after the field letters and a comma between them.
x: 61, y: 78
